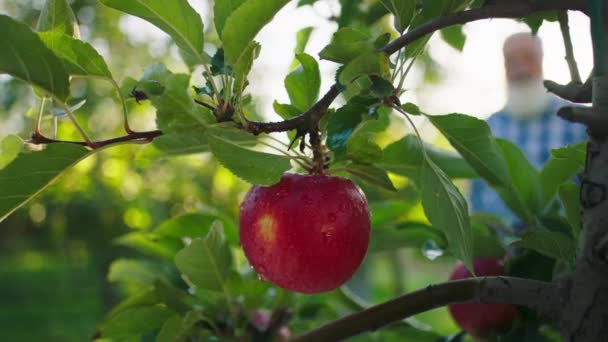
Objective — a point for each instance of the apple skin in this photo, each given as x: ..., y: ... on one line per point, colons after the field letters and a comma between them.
x: 307, y: 233
x: 482, y: 320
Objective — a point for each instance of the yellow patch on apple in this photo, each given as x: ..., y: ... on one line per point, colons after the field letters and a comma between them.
x: 267, y: 226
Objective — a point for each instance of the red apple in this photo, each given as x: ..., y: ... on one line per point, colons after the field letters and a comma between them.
x: 307, y: 233
x: 482, y: 320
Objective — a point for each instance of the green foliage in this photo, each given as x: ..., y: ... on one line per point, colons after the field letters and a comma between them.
x: 447, y: 209
x: 207, y: 262
x: 371, y: 174
x: 472, y: 138
x: 10, y: 147
x: 560, y: 168
x: 550, y: 243
x: 252, y: 166
x: 372, y: 63
x: 32, y: 172
x: 402, y: 10
x: 404, y: 157
x: 26, y: 57
x: 176, y: 18
x: 222, y: 10
x: 569, y: 195
x: 304, y: 83
x: 454, y: 36
x: 78, y: 57
x: 409, y: 234
x: 131, y: 323
x: 245, y: 22
x: 346, y: 45
x: 524, y: 194
x: 57, y: 16
x: 175, y: 109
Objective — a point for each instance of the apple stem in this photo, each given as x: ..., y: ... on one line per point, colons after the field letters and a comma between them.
x: 317, y: 152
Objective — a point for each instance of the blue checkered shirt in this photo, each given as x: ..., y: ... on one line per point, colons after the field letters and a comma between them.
x: 536, y: 137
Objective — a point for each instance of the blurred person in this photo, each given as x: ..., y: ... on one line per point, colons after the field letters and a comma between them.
x: 528, y: 119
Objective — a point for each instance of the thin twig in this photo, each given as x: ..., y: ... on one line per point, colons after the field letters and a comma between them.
x: 575, y: 76
x: 540, y: 296
x: 134, y: 137
x: 40, y: 112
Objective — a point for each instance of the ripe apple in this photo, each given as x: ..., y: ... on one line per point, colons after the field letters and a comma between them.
x: 307, y: 233
x: 482, y: 320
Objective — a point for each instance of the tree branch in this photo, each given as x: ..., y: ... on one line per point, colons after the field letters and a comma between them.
x: 572, y: 66
x: 541, y: 297
x: 135, y: 137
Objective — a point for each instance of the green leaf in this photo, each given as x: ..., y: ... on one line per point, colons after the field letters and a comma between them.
x: 243, y: 67
x: 150, y: 244
x: 193, y: 225
x: 175, y: 109
x: 347, y: 44
x: 577, y: 153
x: 472, y: 138
x: 136, y: 321
x: 302, y: 37
x: 78, y: 57
x: 372, y: 175
x: 403, y: 10
x: 245, y: 22
x: 182, y: 142
x: 404, y: 157
x: 361, y: 145
x: 569, y: 194
x: 558, y: 170
x: 549, y: 243
x: 535, y: 20
x: 446, y: 209
x: 286, y: 111
x: 136, y: 272
x: 454, y: 36
x: 252, y: 166
x: 207, y: 262
x: 405, y: 235
x: 222, y: 9
x: 57, y: 15
x: 363, y: 149
x: 524, y: 194
x: 411, y: 108
x: 30, y: 173
x: 372, y: 63
x: 304, y: 83
x: 176, y: 328
x: 177, y: 18
x: 486, y: 243
x: 341, y: 124
x: 172, y: 329
x: 387, y: 212
x: 10, y: 147
x: 24, y: 55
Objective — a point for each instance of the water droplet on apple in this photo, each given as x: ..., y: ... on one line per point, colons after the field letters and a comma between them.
x: 261, y: 278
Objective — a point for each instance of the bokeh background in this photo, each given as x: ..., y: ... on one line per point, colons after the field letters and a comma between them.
x: 55, y: 253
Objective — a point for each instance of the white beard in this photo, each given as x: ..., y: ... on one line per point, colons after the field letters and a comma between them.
x: 527, y: 99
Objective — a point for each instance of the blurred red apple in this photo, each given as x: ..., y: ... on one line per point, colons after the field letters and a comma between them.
x: 307, y: 233
x: 482, y: 320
